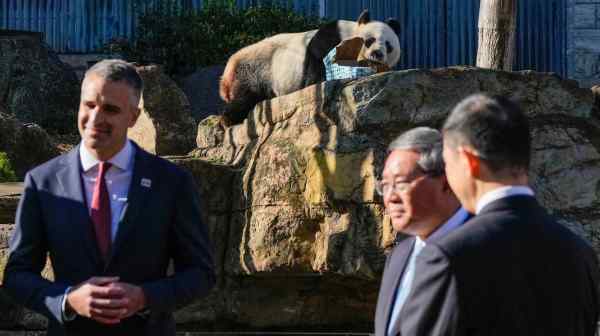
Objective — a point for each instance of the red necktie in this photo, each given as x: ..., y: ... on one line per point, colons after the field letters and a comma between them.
x: 101, y: 210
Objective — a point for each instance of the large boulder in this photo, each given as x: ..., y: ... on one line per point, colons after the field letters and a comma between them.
x: 27, y: 145
x: 35, y: 85
x: 165, y: 125
x: 202, y: 90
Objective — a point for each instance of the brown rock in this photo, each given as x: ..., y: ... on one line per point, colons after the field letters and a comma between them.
x: 165, y: 125
x: 8, y: 207
x: 35, y: 86
x: 596, y: 92
x: 27, y: 145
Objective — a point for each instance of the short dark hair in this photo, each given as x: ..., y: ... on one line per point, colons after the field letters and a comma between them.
x: 428, y: 143
x: 116, y: 70
x: 495, y: 127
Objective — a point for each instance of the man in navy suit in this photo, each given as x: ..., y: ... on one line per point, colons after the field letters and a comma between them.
x: 111, y: 217
x: 511, y: 269
x: 421, y: 204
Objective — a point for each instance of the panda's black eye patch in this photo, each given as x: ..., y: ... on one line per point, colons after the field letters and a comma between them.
x: 369, y: 42
x: 389, y: 47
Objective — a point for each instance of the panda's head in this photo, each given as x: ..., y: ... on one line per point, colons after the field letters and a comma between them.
x: 381, y: 39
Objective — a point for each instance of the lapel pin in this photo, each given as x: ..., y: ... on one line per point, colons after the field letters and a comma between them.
x: 146, y: 183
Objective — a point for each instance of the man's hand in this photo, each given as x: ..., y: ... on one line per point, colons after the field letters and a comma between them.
x: 106, y: 300
x: 133, y: 298
x: 95, y: 299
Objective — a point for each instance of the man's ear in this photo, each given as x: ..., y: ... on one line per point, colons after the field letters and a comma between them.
x: 472, y: 161
x: 445, y: 184
x: 136, y: 114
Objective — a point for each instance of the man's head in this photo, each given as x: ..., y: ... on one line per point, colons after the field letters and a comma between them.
x: 415, y: 192
x: 486, y: 145
x: 110, y: 94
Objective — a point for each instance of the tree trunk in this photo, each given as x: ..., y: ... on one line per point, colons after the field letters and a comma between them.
x: 497, y: 23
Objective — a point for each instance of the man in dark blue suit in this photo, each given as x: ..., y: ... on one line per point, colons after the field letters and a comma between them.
x: 111, y: 217
x: 420, y: 204
x: 511, y: 269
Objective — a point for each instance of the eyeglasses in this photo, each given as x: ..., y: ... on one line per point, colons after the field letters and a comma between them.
x: 384, y: 187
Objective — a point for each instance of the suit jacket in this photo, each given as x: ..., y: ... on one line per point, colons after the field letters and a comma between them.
x: 159, y: 223
x: 511, y: 270
x: 394, y: 268
x: 395, y: 265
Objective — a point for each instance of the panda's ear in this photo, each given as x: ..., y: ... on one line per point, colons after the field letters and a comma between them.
x: 395, y: 25
x: 364, y: 17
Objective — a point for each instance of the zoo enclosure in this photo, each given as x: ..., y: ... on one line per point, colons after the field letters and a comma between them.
x: 435, y: 32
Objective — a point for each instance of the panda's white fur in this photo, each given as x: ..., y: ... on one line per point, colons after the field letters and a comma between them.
x: 284, y: 63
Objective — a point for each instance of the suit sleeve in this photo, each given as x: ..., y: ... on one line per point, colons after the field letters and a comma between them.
x: 192, y: 254
x: 27, y: 257
x: 381, y: 317
x: 432, y: 308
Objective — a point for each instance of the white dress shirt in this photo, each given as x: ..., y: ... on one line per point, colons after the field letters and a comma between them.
x: 501, y: 192
x: 118, y: 179
x: 408, y: 275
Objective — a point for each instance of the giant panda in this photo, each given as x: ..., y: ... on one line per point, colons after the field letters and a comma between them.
x: 284, y: 63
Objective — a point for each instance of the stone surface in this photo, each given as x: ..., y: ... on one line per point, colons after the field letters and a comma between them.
x: 27, y: 145
x: 303, y: 203
x: 11, y: 189
x: 8, y: 207
x: 35, y: 85
x: 288, y: 195
x: 165, y: 125
x: 202, y: 90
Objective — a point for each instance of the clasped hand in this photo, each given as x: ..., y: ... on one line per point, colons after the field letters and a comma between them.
x: 105, y: 299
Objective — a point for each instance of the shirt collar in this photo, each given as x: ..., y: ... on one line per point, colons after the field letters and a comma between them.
x: 419, y: 244
x: 501, y: 192
x: 122, y: 159
x: 452, y: 223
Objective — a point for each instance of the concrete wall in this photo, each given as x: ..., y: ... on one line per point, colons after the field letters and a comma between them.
x: 583, y: 41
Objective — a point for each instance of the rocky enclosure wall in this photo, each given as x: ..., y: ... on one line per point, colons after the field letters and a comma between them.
x: 35, y: 86
x: 299, y: 231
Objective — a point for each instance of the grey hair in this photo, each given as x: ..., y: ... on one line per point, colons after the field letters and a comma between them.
x: 427, y: 142
x: 116, y: 70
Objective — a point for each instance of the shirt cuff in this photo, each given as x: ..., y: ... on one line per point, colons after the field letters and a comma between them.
x: 67, y: 314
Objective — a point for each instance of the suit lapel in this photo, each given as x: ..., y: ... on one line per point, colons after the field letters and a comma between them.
x: 400, y: 259
x: 69, y: 179
x: 393, y: 275
x: 139, y: 191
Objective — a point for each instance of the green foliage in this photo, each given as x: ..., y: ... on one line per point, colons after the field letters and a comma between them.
x: 7, y: 174
x: 183, y: 40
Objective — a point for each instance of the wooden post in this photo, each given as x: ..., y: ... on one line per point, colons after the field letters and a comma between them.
x: 497, y: 25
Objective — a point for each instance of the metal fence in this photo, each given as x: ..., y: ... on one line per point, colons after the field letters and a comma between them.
x: 444, y: 32
x: 435, y: 32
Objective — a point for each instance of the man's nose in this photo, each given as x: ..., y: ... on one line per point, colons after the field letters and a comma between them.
x: 392, y: 196
x: 96, y: 115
